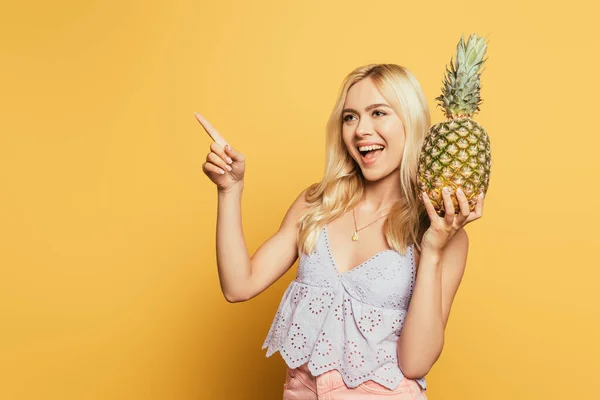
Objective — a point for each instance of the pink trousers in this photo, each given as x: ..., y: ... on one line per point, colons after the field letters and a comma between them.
x: 301, y: 385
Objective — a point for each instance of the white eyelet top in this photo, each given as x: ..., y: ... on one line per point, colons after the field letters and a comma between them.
x: 346, y: 321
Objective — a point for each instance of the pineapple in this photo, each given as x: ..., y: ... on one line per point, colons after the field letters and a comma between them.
x: 456, y: 152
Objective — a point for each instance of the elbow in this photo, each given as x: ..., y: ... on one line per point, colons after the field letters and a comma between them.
x: 410, y: 370
x: 418, y: 368
x: 235, y: 296
x: 415, y: 373
x: 415, y: 370
x: 234, y: 293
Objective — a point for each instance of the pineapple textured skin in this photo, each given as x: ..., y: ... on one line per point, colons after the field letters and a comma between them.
x: 455, y: 153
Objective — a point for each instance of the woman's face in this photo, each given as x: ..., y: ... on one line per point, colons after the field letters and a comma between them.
x: 368, y: 119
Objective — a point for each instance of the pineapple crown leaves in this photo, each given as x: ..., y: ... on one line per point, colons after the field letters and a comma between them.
x: 461, y: 90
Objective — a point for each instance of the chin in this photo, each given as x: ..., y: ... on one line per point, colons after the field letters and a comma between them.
x: 371, y: 175
x: 374, y: 175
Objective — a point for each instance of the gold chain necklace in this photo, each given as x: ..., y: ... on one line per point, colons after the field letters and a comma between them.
x: 355, y: 235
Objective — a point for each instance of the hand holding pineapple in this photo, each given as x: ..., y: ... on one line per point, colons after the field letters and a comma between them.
x: 442, y: 229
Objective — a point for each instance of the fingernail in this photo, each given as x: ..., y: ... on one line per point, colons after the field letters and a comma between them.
x: 459, y: 190
x: 229, y: 160
x: 227, y: 147
x: 424, y: 194
x: 445, y: 190
x: 228, y: 168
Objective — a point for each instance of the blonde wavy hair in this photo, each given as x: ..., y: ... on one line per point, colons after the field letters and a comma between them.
x: 341, y: 187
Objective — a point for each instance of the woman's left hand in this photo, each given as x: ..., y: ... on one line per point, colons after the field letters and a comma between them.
x: 442, y: 229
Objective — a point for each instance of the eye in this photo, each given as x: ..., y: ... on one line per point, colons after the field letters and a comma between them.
x: 345, y: 119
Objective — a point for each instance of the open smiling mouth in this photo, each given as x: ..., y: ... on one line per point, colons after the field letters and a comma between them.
x: 369, y: 156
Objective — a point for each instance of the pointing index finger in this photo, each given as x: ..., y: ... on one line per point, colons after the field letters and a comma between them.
x: 212, y: 132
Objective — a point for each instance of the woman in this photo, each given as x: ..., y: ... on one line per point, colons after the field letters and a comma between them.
x: 358, y: 321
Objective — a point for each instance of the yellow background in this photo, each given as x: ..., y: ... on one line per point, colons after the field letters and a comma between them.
x: 108, y: 280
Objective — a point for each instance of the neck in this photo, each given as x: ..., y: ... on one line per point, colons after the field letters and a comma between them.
x: 379, y: 196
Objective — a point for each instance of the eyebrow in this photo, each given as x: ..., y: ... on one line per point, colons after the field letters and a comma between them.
x: 372, y: 106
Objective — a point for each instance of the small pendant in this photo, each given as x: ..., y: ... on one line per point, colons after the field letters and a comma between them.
x: 355, y: 236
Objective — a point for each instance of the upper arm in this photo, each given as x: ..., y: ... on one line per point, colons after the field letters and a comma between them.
x: 278, y: 253
x: 453, y: 263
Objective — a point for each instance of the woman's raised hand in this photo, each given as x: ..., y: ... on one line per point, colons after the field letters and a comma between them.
x: 442, y: 229
x: 224, y: 165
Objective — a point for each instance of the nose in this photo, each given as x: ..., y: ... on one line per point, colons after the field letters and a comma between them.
x: 363, y: 128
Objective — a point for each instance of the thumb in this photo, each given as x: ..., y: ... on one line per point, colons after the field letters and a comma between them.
x: 234, y: 154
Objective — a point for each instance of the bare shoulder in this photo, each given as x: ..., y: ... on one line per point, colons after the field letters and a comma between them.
x: 300, y: 204
x: 298, y: 207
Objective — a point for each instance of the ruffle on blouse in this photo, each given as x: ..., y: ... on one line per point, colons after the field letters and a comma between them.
x: 330, y: 329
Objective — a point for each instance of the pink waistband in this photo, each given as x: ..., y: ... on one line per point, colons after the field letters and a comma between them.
x: 328, y: 380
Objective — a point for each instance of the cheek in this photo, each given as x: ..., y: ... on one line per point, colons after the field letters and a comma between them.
x: 396, y: 139
x: 394, y: 128
x: 395, y: 149
x: 399, y: 148
x: 347, y: 140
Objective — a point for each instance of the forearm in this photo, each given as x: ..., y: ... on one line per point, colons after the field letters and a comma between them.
x: 233, y: 261
x: 422, y: 337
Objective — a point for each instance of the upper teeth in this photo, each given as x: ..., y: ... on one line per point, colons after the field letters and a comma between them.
x: 368, y: 148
